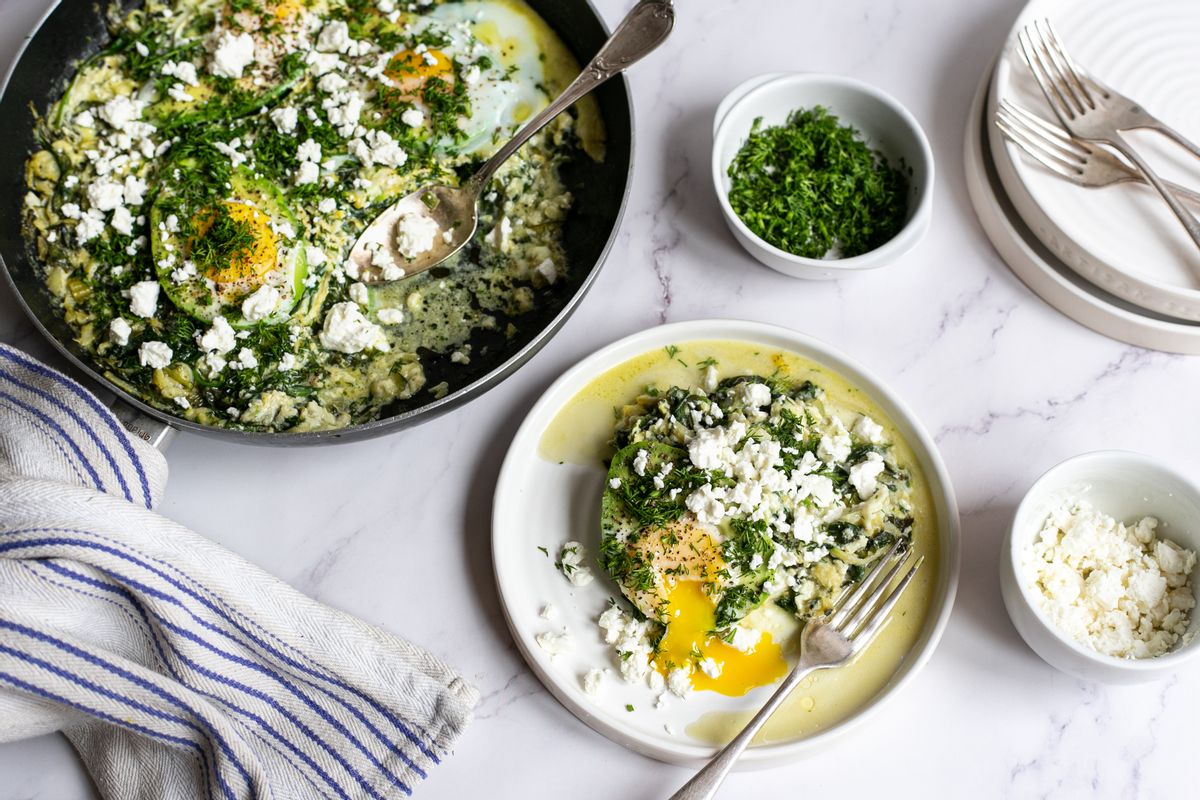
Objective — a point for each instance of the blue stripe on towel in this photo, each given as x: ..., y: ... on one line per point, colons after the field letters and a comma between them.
x: 401, y: 726
x: 121, y: 435
x: 66, y: 437
x: 137, y: 680
x: 227, y: 681
x: 52, y: 438
x: 149, y: 625
x: 133, y: 726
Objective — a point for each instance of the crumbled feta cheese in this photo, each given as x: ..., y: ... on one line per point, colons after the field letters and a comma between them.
x: 555, y: 643
x: 390, y: 316
x: 119, y: 330
x: 707, y: 504
x: 413, y: 117
x: 90, y: 226
x: 745, y: 639
x: 308, y: 173
x: 120, y: 111
x: 835, y: 448
x: 105, y: 194
x: 143, y: 298
x: 261, y: 304
x: 679, y: 681
x: 287, y: 362
x: 710, y: 379
x: 285, y: 119
x: 415, y: 234
x: 868, y: 429
x: 183, y: 402
x: 245, y: 359
x: 591, y: 681
x: 122, y: 221
x: 615, y: 483
x: 549, y: 612
x: 233, y: 53
x: 1116, y: 588
x: 155, y: 355
x: 219, y: 338
x: 711, y: 668
x: 346, y: 330
x: 864, y: 475
x: 548, y: 271
x: 570, y: 562
x: 327, y: 206
x: 134, y: 192
x: 184, y: 71
x: 334, y: 37
x: 360, y: 294
x: 641, y: 460
x: 501, y: 235
x: 378, y: 148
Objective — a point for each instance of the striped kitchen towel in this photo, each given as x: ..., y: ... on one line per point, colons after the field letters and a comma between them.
x: 175, y: 668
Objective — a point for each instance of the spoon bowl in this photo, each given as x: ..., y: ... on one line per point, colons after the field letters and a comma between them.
x: 377, y: 256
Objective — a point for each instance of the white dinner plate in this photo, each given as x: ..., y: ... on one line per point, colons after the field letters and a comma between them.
x: 1122, y: 238
x: 543, y: 503
x: 1041, y: 270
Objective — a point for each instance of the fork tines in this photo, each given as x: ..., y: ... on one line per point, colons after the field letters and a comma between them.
x: 863, y: 610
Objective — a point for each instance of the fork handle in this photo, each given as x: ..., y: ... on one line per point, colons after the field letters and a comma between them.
x: 706, y: 782
x: 1179, y: 138
x: 1190, y: 223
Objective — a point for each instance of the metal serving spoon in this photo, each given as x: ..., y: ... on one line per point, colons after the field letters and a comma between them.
x: 376, y: 256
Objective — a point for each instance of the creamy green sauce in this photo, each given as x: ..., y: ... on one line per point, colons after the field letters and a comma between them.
x: 229, y: 154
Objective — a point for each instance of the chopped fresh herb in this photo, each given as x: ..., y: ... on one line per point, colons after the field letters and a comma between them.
x: 708, y: 362
x: 545, y: 552
x: 629, y: 707
x: 814, y: 188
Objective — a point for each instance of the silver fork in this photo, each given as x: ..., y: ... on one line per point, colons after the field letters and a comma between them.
x: 826, y: 642
x: 1089, y: 113
x: 1077, y: 161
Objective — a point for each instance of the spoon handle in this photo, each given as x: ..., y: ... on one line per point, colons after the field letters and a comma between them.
x: 642, y: 30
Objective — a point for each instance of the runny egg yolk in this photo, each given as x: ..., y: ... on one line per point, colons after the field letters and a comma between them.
x: 410, y: 70
x: 691, y: 615
x: 249, y: 260
x: 286, y: 9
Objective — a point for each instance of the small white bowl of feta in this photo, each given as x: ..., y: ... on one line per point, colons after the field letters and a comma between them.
x: 1098, y: 570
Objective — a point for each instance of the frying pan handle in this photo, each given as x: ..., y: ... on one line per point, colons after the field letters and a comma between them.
x: 143, y: 426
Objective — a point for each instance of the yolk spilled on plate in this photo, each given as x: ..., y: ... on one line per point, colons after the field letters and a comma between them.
x: 692, y: 615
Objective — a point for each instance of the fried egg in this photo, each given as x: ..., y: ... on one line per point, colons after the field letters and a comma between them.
x: 500, y: 45
x: 688, y: 573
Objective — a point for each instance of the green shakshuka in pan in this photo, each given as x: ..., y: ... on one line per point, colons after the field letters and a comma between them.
x: 204, y: 176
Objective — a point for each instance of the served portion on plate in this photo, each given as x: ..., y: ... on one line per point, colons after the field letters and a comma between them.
x: 689, y: 502
x: 204, y: 175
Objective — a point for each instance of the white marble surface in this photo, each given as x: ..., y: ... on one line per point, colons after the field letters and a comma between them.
x: 396, y: 530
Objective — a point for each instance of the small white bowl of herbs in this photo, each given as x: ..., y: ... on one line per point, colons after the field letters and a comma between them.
x: 820, y: 175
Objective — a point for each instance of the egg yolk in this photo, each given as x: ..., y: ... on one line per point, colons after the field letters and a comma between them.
x: 692, y: 618
x: 248, y: 258
x: 409, y: 70
x: 286, y: 9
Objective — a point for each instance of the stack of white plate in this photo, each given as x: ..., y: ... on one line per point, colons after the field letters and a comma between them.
x: 1115, y: 258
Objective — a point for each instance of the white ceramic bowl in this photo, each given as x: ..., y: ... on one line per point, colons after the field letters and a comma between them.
x: 541, y: 501
x: 883, y: 123
x: 1126, y: 486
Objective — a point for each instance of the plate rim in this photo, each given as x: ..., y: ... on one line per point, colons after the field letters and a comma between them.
x: 576, y: 378
x: 1142, y: 291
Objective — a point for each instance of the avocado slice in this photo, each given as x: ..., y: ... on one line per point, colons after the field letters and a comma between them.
x: 259, y: 256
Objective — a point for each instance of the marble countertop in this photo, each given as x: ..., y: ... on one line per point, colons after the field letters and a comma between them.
x: 394, y: 529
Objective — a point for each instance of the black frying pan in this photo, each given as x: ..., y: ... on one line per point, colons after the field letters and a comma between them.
x: 75, y: 29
